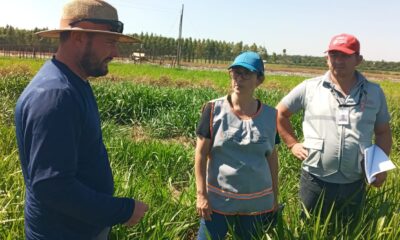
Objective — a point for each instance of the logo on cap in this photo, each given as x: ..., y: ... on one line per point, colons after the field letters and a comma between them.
x: 345, y: 43
x: 339, y: 40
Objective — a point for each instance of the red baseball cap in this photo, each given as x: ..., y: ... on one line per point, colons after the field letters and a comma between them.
x: 345, y: 43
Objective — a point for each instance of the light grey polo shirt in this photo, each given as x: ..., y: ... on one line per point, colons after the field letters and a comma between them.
x: 335, y: 150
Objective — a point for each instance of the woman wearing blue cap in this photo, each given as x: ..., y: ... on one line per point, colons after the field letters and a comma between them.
x: 236, y: 165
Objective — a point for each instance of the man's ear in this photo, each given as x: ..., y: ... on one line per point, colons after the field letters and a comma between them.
x: 78, y: 38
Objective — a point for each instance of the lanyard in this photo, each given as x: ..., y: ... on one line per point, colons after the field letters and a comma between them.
x: 361, y: 93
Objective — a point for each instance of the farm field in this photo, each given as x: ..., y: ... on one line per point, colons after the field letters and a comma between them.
x: 149, y: 114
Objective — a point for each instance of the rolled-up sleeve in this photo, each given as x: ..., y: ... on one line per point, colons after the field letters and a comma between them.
x: 295, y: 99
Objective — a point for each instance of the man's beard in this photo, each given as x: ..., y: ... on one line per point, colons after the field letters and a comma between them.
x: 92, y: 65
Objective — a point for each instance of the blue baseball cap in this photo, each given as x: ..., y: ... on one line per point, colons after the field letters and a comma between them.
x: 249, y: 60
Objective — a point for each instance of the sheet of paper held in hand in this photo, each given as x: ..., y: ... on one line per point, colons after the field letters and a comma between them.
x: 376, y: 161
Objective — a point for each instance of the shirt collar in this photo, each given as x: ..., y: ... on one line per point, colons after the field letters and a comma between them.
x: 327, y: 82
x: 67, y: 71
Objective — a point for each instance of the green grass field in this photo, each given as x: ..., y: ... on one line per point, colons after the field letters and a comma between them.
x: 149, y: 115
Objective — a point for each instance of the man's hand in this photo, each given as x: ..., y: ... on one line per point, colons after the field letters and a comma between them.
x: 380, y: 179
x: 203, y: 207
x: 299, y: 151
x: 139, y: 211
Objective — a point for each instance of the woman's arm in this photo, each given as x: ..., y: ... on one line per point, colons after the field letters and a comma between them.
x: 273, y: 165
x: 202, y: 149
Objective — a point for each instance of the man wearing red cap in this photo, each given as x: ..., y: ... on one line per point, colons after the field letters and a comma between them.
x: 67, y: 174
x: 342, y: 113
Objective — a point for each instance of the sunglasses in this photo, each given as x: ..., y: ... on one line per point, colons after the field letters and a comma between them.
x: 116, y: 26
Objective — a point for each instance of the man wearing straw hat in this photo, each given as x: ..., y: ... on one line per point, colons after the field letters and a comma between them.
x: 69, y: 183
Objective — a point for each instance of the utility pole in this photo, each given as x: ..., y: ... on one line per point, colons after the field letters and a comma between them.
x: 179, y: 48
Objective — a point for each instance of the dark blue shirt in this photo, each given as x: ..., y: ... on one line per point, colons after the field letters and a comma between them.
x: 67, y: 174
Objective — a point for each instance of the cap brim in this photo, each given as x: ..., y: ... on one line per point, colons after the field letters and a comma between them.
x: 341, y: 49
x: 245, y: 65
x: 56, y: 34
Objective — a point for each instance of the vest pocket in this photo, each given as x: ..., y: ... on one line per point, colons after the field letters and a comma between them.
x: 315, y: 147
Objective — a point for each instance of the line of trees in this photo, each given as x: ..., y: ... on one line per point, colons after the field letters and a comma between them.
x: 14, y: 39
x: 158, y: 47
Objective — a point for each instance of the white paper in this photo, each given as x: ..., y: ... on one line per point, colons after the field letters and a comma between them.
x: 376, y: 161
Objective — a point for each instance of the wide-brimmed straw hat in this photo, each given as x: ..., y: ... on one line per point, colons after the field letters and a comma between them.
x: 90, y: 16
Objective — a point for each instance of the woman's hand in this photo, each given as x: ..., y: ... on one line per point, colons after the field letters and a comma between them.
x: 203, y: 206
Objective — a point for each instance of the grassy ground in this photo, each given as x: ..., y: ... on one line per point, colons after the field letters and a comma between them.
x: 149, y: 114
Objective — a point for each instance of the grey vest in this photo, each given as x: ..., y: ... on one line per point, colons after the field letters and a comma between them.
x: 238, y: 175
x: 333, y: 147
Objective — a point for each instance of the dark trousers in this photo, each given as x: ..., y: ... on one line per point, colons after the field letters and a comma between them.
x: 103, y: 235
x: 242, y: 227
x: 346, y: 199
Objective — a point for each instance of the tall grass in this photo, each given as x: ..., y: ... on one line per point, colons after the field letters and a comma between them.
x: 158, y: 173
x: 11, y: 186
x: 148, y: 128
x: 13, y: 80
x: 163, y: 111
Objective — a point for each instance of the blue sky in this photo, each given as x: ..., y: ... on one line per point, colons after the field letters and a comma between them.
x: 301, y: 27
